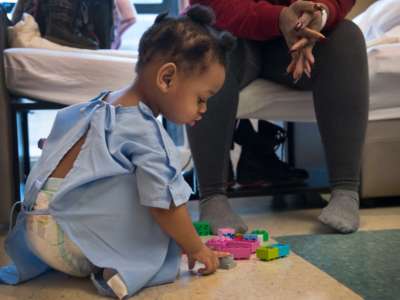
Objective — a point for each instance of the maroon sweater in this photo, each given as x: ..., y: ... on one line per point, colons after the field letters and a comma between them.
x: 259, y: 19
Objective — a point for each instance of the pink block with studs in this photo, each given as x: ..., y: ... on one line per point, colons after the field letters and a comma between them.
x: 245, y: 243
x: 238, y: 249
x: 217, y: 243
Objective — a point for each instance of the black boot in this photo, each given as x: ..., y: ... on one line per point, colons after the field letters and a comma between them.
x: 267, y: 130
x: 258, y: 163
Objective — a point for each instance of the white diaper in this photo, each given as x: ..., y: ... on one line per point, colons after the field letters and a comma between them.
x: 49, y: 242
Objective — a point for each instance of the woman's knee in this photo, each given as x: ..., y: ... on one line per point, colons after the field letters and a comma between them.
x: 349, y: 34
x: 345, y: 46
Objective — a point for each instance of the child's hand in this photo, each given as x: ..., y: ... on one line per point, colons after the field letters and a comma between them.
x: 207, y: 257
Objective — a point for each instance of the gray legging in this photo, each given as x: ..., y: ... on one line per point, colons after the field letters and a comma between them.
x: 340, y: 89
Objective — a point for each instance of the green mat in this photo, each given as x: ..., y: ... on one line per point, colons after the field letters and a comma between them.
x: 366, y: 262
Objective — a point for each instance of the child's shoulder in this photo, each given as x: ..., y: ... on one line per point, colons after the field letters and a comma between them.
x: 142, y: 127
x: 138, y: 119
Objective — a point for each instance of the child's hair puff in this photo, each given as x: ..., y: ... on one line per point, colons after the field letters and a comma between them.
x: 188, y: 40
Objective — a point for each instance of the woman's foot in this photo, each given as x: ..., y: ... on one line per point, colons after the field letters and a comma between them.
x: 342, y: 212
x: 217, y: 211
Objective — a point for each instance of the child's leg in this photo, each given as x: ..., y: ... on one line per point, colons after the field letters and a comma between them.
x: 49, y: 242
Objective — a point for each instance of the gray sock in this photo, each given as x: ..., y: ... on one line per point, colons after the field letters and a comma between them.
x: 342, y: 212
x: 217, y: 211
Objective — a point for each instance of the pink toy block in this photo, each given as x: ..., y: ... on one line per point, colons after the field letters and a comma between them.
x: 245, y: 243
x: 223, y: 231
x: 238, y: 253
x: 254, y: 245
x: 239, y: 249
x: 217, y: 243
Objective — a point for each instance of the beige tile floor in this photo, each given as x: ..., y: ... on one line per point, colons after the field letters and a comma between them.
x: 289, y: 278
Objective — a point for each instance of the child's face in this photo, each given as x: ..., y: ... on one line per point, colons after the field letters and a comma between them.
x: 186, y: 99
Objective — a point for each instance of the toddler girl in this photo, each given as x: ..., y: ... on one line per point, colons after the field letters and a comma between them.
x: 107, y: 198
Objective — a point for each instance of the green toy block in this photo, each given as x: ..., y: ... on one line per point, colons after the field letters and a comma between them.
x: 263, y: 232
x: 202, y: 228
x: 267, y: 253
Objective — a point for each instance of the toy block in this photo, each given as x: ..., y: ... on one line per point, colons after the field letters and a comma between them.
x: 253, y: 244
x: 260, y: 238
x: 218, y: 243
x: 225, y: 231
x: 238, y: 252
x: 267, y: 253
x: 239, y: 249
x: 202, y: 228
x: 227, y: 262
x: 250, y: 236
x: 229, y: 235
x: 263, y: 232
x: 283, y: 249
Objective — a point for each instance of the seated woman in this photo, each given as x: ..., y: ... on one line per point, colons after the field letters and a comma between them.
x: 278, y: 38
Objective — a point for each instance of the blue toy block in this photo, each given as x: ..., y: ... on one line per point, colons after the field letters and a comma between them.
x: 229, y: 235
x: 283, y: 249
x: 250, y: 237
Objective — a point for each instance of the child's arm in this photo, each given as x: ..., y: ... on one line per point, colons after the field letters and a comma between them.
x: 176, y: 222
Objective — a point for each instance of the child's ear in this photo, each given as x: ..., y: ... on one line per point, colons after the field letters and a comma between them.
x: 166, y: 76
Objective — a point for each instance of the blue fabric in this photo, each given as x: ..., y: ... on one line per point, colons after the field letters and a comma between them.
x: 127, y: 164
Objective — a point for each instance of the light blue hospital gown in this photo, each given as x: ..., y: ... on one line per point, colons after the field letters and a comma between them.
x: 127, y: 164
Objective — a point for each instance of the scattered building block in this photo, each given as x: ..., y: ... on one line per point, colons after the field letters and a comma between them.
x: 226, y: 231
x: 253, y: 244
x: 202, y: 228
x: 267, y: 253
x: 263, y: 232
x: 218, y: 243
x: 238, y: 249
x: 238, y: 238
x: 238, y: 252
x: 282, y: 249
x: 250, y: 236
x: 273, y: 251
x: 227, y: 262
